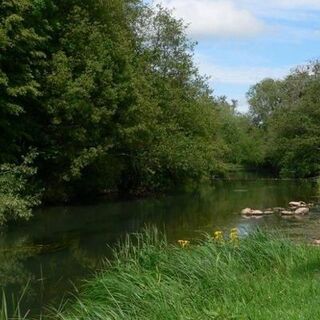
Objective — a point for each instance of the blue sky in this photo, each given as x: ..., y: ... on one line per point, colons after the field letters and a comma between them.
x: 241, y: 42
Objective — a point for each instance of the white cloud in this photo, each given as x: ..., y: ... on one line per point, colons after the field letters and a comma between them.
x: 243, y: 105
x: 240, y: 18
x: 239, y: 78
x: 218, y: 18
x: 241, y: 75
x: 286, y: 10
x: 279, y: 4
x: 291, y: 4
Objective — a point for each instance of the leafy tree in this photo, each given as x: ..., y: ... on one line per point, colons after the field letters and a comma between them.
x: 21, y: 59
x: 244, y: 142
x: 17, y: 198
x: 127, y: 108
x: 293, y: 127
x: 264, y: 98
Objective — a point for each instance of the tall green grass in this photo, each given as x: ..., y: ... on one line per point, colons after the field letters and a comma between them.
x: 263, y: 277
x: 12, y: 311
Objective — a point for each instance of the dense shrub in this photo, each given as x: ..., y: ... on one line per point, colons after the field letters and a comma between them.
x: 17, y: 195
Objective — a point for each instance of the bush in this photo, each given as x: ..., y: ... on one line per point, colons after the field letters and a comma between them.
x: 17, y: 194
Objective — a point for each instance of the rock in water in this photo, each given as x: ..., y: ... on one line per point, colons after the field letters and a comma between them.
x: 246, y: 211
x: 257, y: 213
x: 251, y: 212
x: 302, y: 211
x: 287, y: 213
x: 297, y: 204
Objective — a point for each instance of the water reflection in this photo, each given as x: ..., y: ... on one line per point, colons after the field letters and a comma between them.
x: 62, y: 245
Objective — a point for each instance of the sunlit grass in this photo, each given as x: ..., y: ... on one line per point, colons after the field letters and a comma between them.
x: 259, y: 277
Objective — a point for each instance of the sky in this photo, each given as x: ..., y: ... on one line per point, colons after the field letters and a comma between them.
x: 241, y: 42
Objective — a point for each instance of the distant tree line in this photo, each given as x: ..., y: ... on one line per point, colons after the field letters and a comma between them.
x: 287, y: 112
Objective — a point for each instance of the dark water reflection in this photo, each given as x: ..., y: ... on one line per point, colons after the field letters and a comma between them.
x: 63, y: 245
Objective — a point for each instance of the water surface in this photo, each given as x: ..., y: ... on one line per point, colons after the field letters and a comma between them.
x: 63, y: 245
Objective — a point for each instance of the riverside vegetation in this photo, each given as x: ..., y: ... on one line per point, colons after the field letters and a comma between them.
x: 107, y: 95
x: 262, y: 276
x: 258, y: 277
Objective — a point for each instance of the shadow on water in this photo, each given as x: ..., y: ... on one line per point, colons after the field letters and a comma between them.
x: 63, y: 245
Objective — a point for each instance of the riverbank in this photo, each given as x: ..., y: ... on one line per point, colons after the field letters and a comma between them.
x: 259, y: 277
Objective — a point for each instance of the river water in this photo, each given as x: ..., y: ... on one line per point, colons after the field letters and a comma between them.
x: 61, y: 246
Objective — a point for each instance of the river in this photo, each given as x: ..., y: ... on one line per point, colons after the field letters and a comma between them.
x: 63, y: 245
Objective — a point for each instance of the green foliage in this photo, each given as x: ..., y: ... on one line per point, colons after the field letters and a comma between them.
x: 17, y: 196
x: 291, y: 123
x: 108, y: 92
x: 264, y: 98
x: 244, y: 142
x: 89, y: 85
x: 261, y: 277
x: 21, y: 58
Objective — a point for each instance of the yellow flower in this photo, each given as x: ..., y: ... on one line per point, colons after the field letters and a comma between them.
x: 218, y: 236
x: 183, y: 243
x: 234, y: 235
